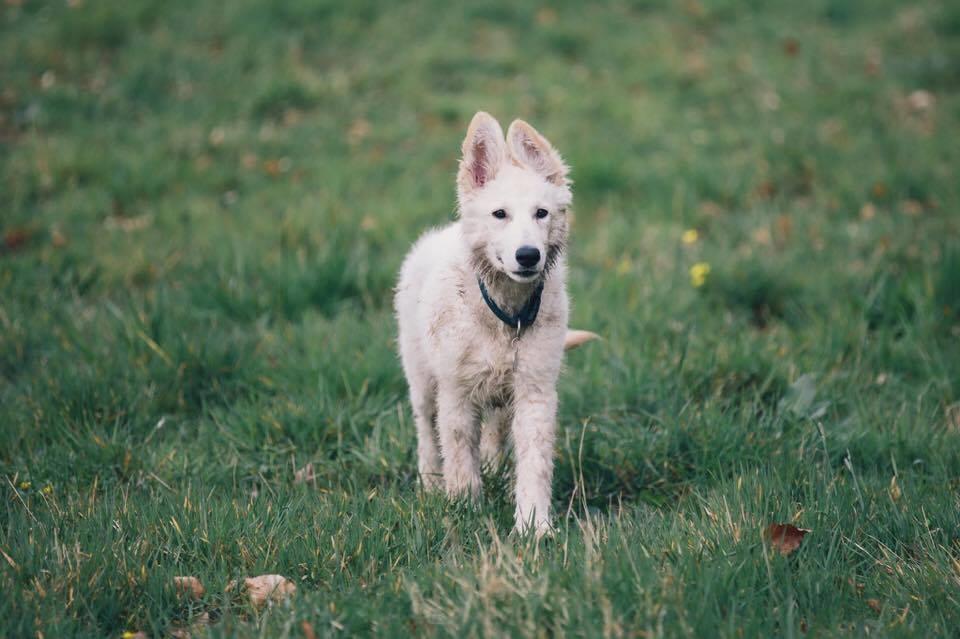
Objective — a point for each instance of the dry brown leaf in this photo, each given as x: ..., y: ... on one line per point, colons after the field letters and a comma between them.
x: 575, y: 338
x: 894, y: 489
x: 874, y: 605
x: 952, y: 413
x: 308, y: 631
x: 189, y: 586
x: 16, y: 238
x: 358, y: 131
x: 57, y: 238
x: 912, y: 208
x: 546, y: 16
x: 200, y: 622
x: 921, y: 101
x: 271, y: 167
x: 128, y: 224
x: 785, y: 538
x: 304, y: 475
x: 265, y: 589
x: 784, y: 229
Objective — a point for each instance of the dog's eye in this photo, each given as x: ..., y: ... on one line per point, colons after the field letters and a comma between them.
x: 499, y: 214
x: 542, y: 213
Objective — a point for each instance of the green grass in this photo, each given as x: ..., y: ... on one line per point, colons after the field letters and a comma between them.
x: 204, y: 206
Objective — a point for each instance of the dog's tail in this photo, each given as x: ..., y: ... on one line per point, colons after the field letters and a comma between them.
x: 575, y: 338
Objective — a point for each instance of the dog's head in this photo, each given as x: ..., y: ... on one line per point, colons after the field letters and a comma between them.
x: 513, y: 197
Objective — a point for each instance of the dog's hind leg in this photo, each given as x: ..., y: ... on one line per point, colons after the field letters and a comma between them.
x: 423, y: 399
x: 492, y: 435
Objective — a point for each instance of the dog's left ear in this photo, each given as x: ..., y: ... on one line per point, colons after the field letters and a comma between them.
x: 533, y: 150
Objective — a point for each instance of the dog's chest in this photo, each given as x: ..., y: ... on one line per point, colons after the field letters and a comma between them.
x: 486, y: 368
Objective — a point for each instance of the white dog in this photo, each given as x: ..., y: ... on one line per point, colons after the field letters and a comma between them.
x: 482, y: 310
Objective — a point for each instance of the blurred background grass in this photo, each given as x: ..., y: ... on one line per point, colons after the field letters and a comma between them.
x: 204, y: 206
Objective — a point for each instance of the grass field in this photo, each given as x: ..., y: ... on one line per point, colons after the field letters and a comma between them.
x: 204, y: 206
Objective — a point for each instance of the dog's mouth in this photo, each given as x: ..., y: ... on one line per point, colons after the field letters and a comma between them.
x: 526, y: 274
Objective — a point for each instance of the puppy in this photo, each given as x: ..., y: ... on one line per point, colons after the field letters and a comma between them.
x: 482, y: 311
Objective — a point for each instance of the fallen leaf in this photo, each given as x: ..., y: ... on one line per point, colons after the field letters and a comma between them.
x: 16, y: 238
x: 921, y: 101
x: 217, y: 136
x: 911, y: 207
x: 57, y: 238
x: 765, y: 190
x: 894, y: 489
x: 785, y: 538
x: 874, y: 605
x: 189, y: 586
x: 308, y: 631
x: 784, y: 227
x: 304, y: 475
x: 271, y: 167
x: 575, y: 338
x: 874, y: 62
x: 200, y: 622
x: 128, y: 224
x: 762, y: 236
x: 952, y: 413
x: 264, y: 590
x: 546, y: 16
x: 358, y: 131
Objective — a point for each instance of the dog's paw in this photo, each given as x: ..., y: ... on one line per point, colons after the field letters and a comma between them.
x: 470, y: 491
x: 431, y: 482
x: 539, y: 529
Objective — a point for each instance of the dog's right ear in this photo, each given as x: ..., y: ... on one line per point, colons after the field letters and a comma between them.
x: 484, y: 152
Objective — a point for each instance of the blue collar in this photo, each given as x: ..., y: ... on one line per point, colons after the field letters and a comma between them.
x: 525, y: 317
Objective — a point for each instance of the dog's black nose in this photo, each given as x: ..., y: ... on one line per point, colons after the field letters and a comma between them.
x: 528, y: 256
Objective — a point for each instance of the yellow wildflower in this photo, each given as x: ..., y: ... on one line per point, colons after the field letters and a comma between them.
x: 698, y: 274
x: 47, y: 490
x: 25, y: 485
x: 690, y: 236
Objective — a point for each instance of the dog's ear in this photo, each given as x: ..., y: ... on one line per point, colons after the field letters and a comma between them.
x: 484, y: 153
x: 532, y: 150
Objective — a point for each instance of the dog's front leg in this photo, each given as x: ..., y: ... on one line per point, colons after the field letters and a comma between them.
x: 459, y: 431
x: 534, y: 431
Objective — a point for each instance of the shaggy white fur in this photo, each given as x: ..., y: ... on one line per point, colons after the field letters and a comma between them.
x: 472, y: 381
